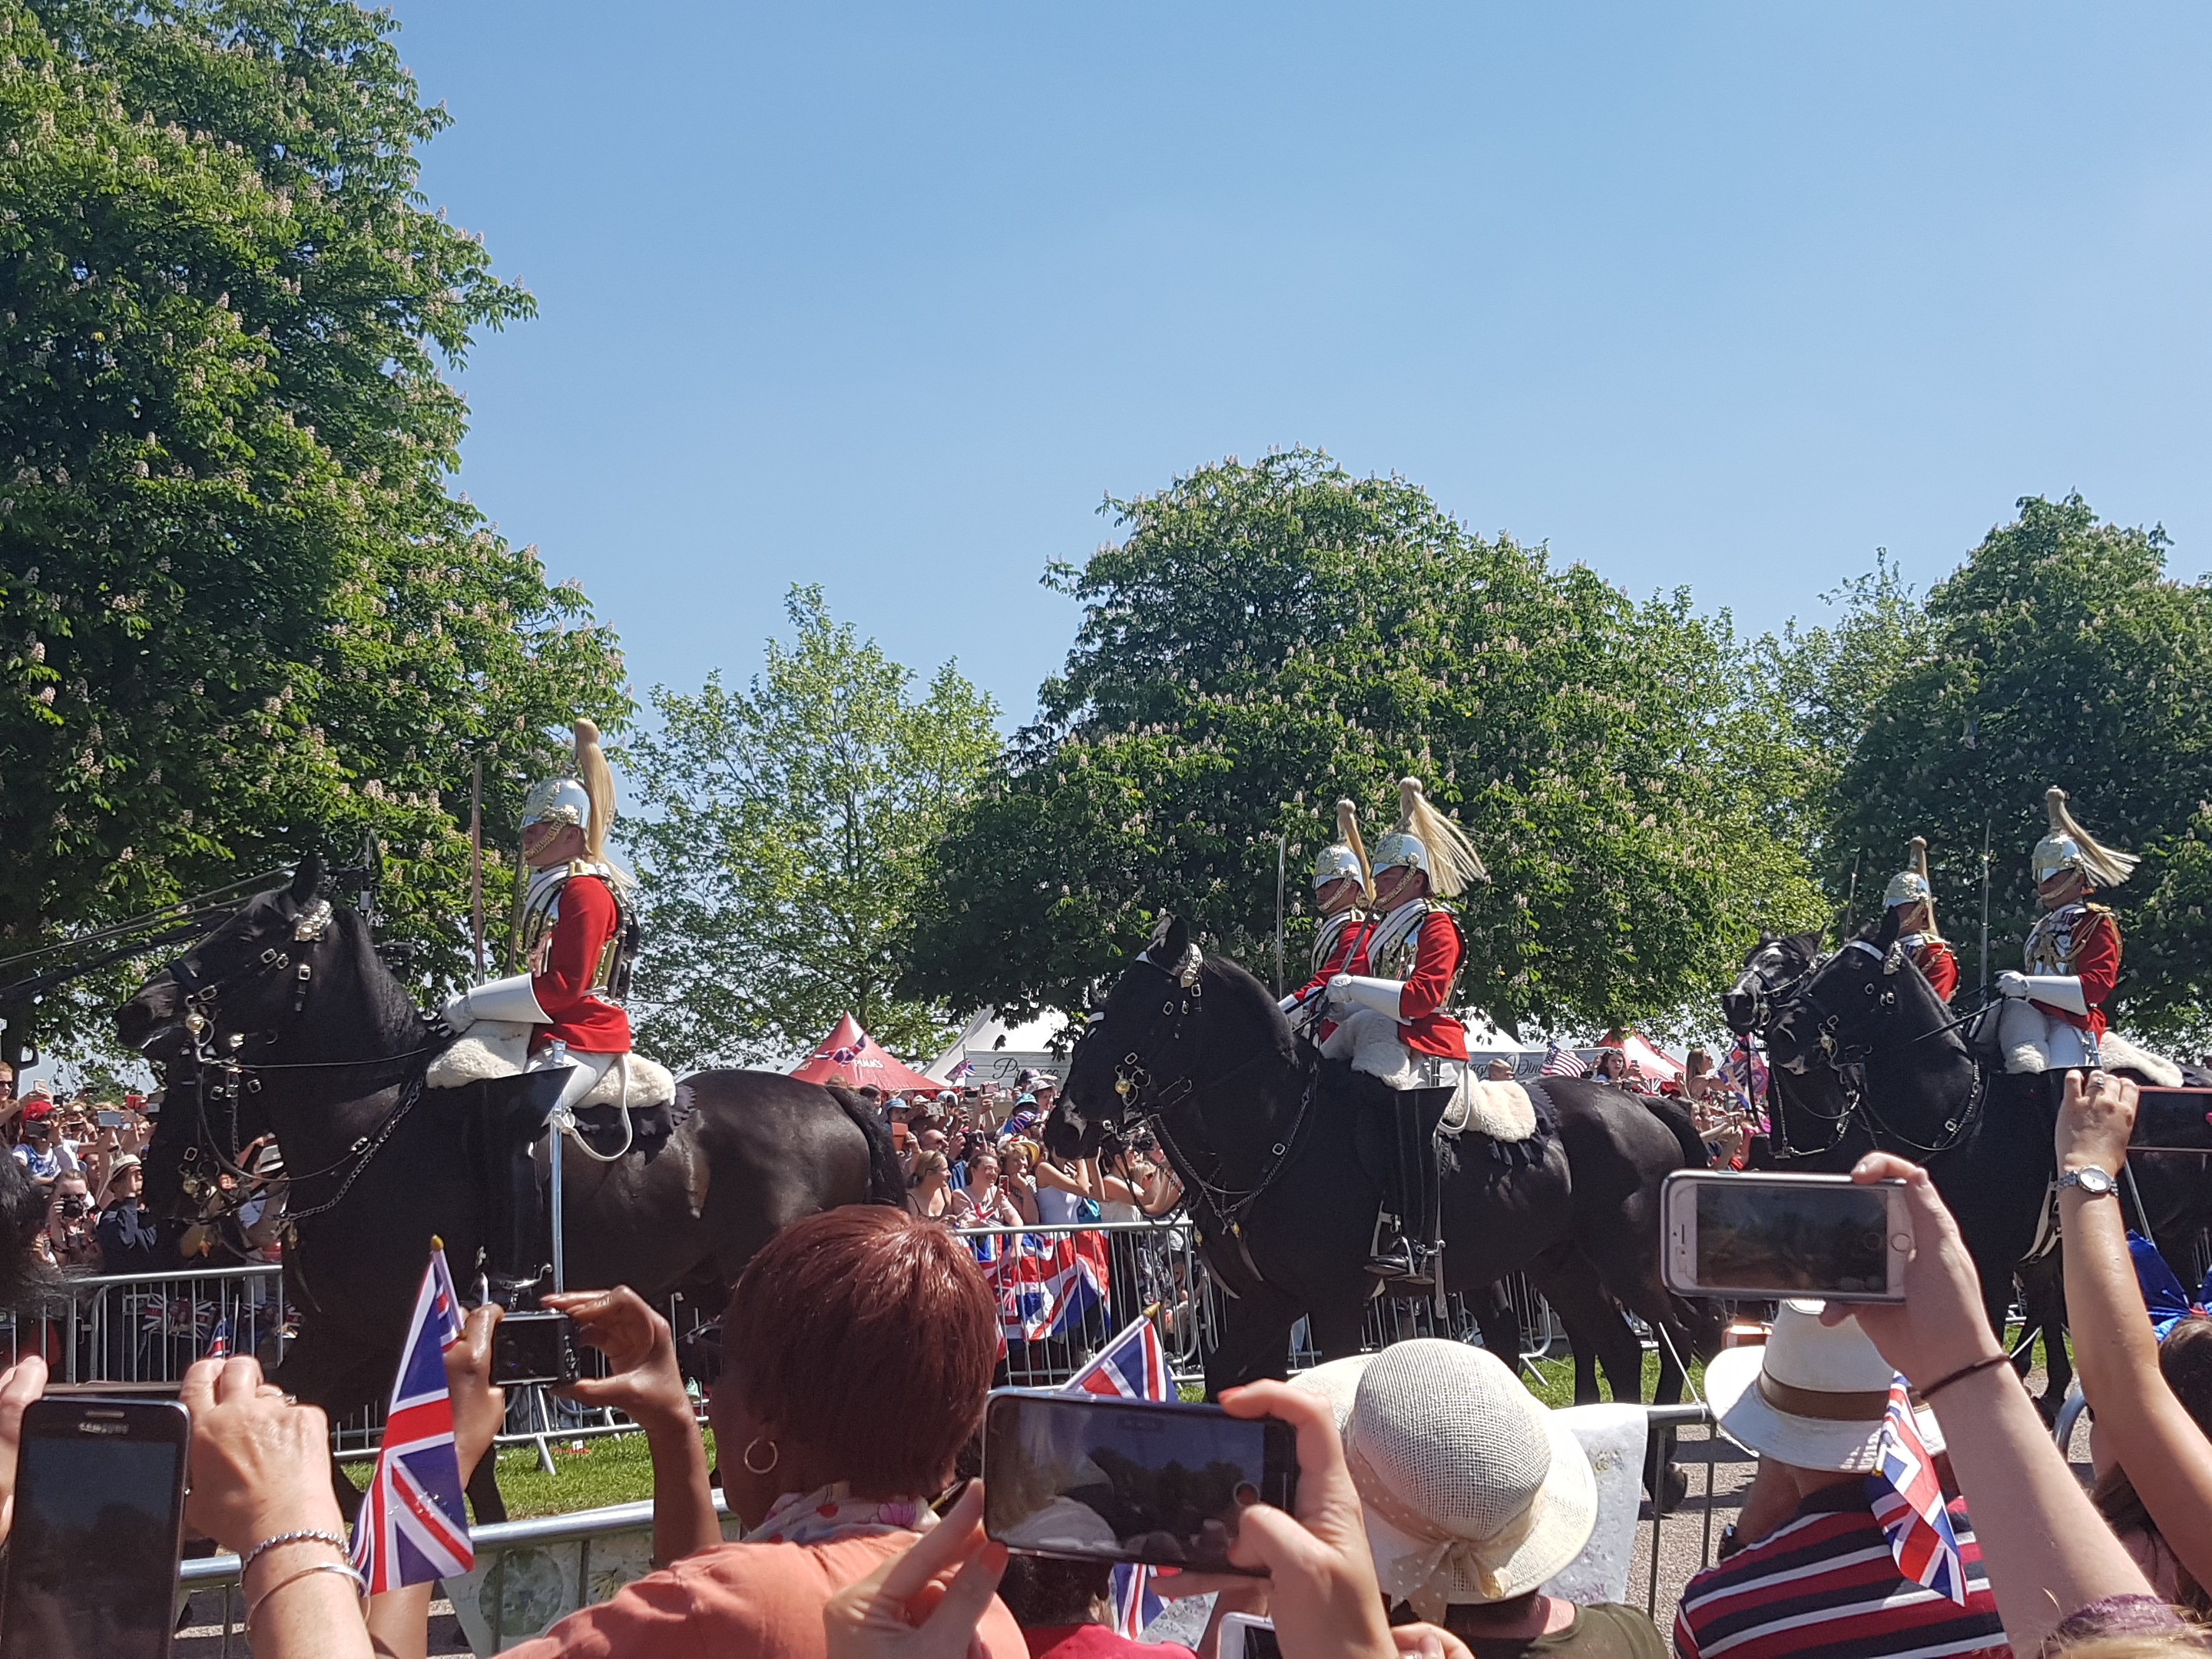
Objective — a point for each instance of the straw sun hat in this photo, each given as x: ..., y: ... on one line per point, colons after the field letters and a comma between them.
x: 1473, y: 1491
x: 1814, y: 1396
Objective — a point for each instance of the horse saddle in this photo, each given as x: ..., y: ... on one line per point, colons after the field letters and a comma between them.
x: 1502, y: 1110
x: 501, y: 1049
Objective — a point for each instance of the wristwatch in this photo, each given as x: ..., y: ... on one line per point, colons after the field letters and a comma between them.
x: 2092, y: 1181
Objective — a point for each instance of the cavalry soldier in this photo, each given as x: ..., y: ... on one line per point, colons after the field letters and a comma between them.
x: 1344, y: 889
x: 578, y: 937
x: 1917, y: 934
x: 2054, y: 1014
x: 1406, y: 969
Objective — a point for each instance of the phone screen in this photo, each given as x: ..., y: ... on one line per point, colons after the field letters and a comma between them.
x: 92, y: 1557
x: 1126, y: 1481
x: 1816, y: 1239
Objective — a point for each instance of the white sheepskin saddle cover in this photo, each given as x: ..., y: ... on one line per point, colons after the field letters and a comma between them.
x: 2121, y: 1055
x: 1370, y: 1040
x: 493, y: 1047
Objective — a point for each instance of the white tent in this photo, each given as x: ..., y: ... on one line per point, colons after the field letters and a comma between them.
x: 997, y: 1053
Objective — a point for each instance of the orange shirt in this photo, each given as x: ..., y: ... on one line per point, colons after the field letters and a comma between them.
x: 760, y: 1600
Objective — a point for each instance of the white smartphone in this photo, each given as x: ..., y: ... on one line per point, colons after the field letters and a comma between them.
x: 1246, y: 1636
x: 1768, y: 1236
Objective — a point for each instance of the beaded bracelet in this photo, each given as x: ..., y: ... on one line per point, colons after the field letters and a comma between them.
x: 359, y: 1584
x: 311, y: 1535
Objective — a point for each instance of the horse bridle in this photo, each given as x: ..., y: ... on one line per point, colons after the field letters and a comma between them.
x: 202, y: 1001
x: 1151, y: 1102
x: 1846, y: 1059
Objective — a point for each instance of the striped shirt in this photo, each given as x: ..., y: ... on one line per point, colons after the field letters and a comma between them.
x: 1824, y: 1584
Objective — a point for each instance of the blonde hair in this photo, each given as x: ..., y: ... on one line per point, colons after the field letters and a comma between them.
x: 929, y: 1162
x: 1453, y: 862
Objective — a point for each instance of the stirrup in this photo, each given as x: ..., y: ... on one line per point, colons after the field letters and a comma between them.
x: 513, y: 1295
x: 1393, y: 1259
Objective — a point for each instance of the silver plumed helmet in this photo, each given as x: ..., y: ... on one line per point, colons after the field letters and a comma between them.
x: 557, y: 800
x: 1344, y: 859
x: 2067, y: 846
x: 1424, y: 839
x: 1910, y: 886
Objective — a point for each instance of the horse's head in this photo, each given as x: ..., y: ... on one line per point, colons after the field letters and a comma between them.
x: 1774, y: 964
x: 233, y: 997
x: 1139, y: 1046
x: 1847, y: 1007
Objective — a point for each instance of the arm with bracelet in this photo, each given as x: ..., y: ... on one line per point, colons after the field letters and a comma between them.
x: 2139, y: 1420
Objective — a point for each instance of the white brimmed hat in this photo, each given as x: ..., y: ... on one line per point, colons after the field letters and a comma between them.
x: 1336, y: 1381
x: 1815, y: 1395
x: 1472, y: 1492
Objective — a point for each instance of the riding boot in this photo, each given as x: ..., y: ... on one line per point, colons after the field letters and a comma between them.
x: 1427, y: 1108
x: 1394, y: 1256
x: 512, y: 1117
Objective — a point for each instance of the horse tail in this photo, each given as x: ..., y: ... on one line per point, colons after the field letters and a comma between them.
x: 886, y: 1181
x: 1696, y: 1155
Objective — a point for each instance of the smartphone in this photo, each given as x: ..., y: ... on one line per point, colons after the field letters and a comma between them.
x: 100, y: 1517
x: 1108, y: 1480
x: 1248, y: 1636
x: 1776, y: 1235
x: 533, y: 1347
x: 111, y: 1120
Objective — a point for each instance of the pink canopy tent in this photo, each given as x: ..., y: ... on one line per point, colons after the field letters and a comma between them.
x: 848, y: 1055
x: 1654, y: 1063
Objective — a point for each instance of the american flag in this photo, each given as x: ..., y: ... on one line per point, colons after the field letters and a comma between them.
x: 1908, y: 1503
x: 218, y: 1345
x: 412, y: 1528
x: 1562, y: 1062
x: 1132, y: 1366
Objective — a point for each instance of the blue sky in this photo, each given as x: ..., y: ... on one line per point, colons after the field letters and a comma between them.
x: 889, y: 297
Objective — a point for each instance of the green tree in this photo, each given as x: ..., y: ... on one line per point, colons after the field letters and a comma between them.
x: 2059, y: 652
x: 790, y: 831
x: 1268, y: 637
x: 241, y: 614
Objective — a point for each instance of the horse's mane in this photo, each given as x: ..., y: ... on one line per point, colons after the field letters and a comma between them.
x: 1248, y: 1004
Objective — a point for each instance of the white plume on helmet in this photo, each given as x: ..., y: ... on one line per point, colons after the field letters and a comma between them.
x: 1346, y: 856
x: 2070, y: 846
x: 1427, y: 841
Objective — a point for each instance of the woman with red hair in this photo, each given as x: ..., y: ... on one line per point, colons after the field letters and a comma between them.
x: 857, y: 1349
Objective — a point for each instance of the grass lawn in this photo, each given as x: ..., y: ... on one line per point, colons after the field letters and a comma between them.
x: 614, y: 1470
x: 1553, y: 1380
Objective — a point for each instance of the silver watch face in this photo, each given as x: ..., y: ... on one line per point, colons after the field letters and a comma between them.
x: 2095, y: 1182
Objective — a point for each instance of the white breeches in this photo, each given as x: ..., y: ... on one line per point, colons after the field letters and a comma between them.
x: 585, y: 1070
x: 2036, y: 1041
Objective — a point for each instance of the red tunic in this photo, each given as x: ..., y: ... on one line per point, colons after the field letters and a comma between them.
x: 1350, y: 944
x: 1933, y: 959
x: 581, y: 1017
x: 1428, y: 1029
x: 2096, y: 958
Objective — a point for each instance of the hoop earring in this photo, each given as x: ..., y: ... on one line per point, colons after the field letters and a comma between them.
x: 746, y: 1458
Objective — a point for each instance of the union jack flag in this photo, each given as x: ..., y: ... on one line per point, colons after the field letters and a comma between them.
x: 218, y: 1345
x: 1046, y: 1285
x: 412, y: 1528
x: 960, y: 1073
x: 1563, y: 1062
x: 1908, y: 1504
x: 1132, y: 1366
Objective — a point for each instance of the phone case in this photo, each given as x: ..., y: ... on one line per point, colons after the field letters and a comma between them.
x: 1678, y: 1200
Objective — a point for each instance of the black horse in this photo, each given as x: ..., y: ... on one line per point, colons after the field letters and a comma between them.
x: 1277, y: 1159
x: 1867, y: 1055
x: 330, y: 1053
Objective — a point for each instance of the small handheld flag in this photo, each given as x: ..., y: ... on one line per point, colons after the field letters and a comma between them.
x: 1132, y: 1366
x: 1563, y: 1062
x: 218, y: 1345
x: 1908, y: 1504
x: 412, y: 1528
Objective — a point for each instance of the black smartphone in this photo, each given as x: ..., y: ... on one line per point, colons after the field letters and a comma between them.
x: 1106, y: 1479
x: 100, y: 1517
x: 533, y: 1347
